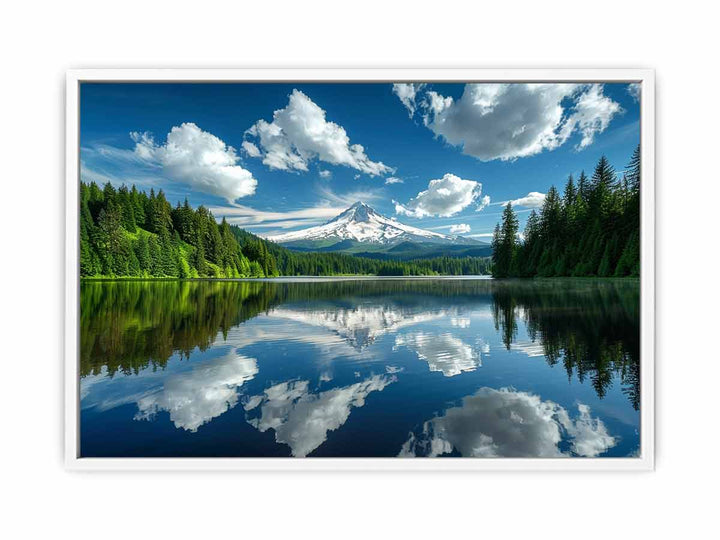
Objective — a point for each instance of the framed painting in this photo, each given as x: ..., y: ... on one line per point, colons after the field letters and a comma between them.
x: 404, y: 269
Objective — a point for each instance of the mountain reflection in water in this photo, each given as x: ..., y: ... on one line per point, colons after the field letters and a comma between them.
x: 451, y: 367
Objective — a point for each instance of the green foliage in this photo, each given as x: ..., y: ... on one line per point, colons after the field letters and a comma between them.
x: 589, y: 328
x: 127, y: 233
x: 592, y: 230
x: 277, y: 260
x: 505, y: 244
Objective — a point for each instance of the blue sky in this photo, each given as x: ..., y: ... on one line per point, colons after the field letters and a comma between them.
x: 279, y: 157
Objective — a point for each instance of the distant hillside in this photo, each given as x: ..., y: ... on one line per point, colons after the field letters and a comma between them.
x: 126, y: 233
x: 321, y: 263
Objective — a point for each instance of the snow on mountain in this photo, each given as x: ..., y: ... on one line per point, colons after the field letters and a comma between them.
x: 363, y: 224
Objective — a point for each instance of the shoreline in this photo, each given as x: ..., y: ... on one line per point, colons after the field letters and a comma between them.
x: 311, y: 279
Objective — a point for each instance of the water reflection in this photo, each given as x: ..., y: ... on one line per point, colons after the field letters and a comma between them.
x: 507, y: 423
x: 362, y: 325
x: 442, y: 352
x: 449, y: 367
x: 195, y: 397
x: 302, y: 419
x: 592, y: 327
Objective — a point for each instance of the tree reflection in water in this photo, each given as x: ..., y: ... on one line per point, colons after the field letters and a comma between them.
x: 590, y: 326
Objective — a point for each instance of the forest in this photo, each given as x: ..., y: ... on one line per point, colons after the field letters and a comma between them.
x: 592, y: 229
x: 126, y: 233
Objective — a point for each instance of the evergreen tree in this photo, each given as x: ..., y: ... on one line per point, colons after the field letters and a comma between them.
x: 507, y: 243
x: 592, y: 230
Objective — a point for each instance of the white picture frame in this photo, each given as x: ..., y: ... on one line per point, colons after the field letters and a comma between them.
x: 645, y: 462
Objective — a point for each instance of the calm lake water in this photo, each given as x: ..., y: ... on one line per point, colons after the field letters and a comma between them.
x: 360, y: 368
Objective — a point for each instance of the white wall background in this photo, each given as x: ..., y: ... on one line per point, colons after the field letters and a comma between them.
x: 40, y: 41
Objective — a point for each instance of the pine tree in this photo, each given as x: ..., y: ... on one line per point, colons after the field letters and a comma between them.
x: 507, y: 243
x: 632, y: 171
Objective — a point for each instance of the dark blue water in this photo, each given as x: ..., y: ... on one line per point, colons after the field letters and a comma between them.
x: 360, y: 368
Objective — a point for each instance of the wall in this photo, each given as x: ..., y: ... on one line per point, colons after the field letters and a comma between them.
x: 40, y: 42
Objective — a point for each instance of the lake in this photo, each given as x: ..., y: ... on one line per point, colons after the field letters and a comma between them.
x: 371, y: 367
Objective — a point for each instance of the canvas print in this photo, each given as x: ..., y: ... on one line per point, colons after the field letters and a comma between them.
x: 310, y: 270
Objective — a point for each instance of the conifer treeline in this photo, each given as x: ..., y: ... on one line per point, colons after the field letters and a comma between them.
x: 127, y: 233
x: 592, y: 229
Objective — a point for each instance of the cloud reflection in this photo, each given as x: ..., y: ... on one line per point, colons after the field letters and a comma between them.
x: 508, y: 423
x: 195, y: 397
x: 301, y: 419
x: 444, y: 352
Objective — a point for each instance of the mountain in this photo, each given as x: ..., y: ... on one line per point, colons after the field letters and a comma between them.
x: 362, y: 229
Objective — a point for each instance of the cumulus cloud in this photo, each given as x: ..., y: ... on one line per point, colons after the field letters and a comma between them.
x: 459, y: 228
x: 533, y: 199
x: 301, y: 419
x: 251, y: 149
x: 325, y: 174
x: 407, y: 92
x: 593, y: 112
x: 508, y: 423
x: 508, y: 121
x: 394, y: 180
x: 444, y: 353
x: 199, y: 159
x: 444, y: 197
x: 300, y: 133
x: 194, y: 398
x: 634, y: 91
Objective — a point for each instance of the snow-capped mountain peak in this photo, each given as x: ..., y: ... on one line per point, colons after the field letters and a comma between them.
x: 361, y: 223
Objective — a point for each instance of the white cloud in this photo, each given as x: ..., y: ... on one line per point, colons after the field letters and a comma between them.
x: 507, y: 121
x: 394, y: 180
x: 483, y: 203
x: 330, y: 205
x: 195, y: 397
x: 444, y: 197
x: 251, y: 149
x: 593, y: 112
x: 301, y: 419
x: 508, y: 423
x: 244, y: 215
x: 325, y: 174
x: 533, y: 199
x: 444, y: 353
x: 199, y: 159
x: 436, y: 105
x: 459, y: 228
x: 634, y: 89
x: 407, y: 92
x: 300, y: 133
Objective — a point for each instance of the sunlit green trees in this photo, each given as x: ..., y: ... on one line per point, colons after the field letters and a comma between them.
x: 127, y: 233
x: 593, y: 229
